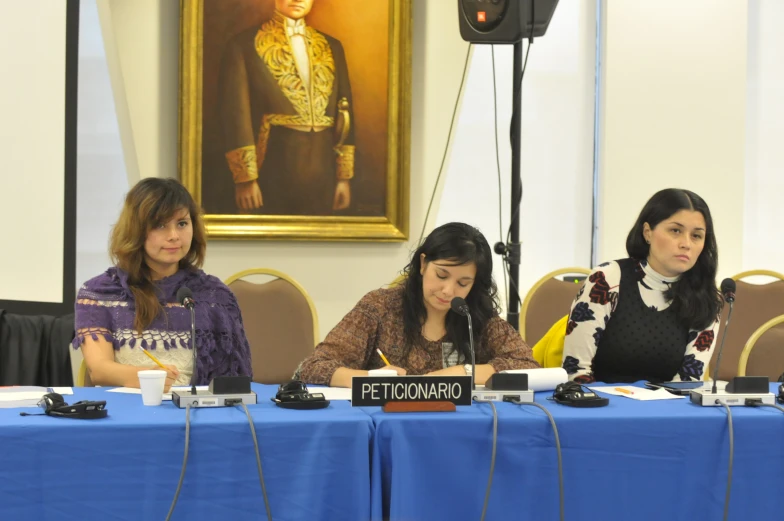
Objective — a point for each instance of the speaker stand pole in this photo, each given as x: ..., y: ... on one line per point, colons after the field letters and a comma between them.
x: 513, y: 247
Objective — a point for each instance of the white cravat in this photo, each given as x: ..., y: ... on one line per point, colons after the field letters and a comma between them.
x: 296, y: 32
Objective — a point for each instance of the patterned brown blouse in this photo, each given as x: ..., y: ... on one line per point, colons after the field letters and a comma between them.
x: 376, y: 322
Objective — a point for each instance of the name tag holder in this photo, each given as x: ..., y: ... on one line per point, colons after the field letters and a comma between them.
x: 411, y: 393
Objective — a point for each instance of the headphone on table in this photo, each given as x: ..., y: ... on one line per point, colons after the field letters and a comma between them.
x: 53, y: 404
x: 295, y: 395
x: 573, y: 394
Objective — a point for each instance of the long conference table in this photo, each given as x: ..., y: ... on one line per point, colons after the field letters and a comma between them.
x: 631, y: 460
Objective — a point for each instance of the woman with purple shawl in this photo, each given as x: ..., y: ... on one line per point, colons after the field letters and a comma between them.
x: 158, y: 246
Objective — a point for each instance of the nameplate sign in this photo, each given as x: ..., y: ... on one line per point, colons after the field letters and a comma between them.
x: 371, y: 391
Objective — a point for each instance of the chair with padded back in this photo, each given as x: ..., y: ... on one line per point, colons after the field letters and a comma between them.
x: 280, y: 322
x: 763, y: 354
x: 548, y: 300
x: 755, y: 304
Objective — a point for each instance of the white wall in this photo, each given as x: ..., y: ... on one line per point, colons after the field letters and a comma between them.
x: 101, y: 181
x: 764, y: 184
x: 32, y: 133
x: 142, y: 48
x: 673, y: 114
x: 144, y: 33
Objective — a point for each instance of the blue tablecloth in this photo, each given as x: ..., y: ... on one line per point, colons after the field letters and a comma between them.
x: 631, y: 460
x: 125, y: 467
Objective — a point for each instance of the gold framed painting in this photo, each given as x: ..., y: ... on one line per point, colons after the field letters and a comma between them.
x: 295, y: 117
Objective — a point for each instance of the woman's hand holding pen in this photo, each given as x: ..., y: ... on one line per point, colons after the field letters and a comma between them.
x: 399, y: 370
x: 171, y: 375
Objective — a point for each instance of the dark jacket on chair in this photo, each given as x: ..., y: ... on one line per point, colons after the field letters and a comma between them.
x: 35, y: 350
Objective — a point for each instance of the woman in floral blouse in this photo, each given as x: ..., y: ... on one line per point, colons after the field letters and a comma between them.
x: 652, y: 316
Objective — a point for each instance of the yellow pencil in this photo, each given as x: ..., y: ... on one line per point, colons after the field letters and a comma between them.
x: 152, y: 357
x: 384, y: 358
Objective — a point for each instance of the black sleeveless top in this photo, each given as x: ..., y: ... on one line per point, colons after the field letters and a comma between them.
x: 639, y: 343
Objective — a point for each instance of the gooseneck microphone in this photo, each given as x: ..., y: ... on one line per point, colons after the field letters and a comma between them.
x: 460, y: 307
x: 728, y: 291
x: 185, y: 297
x: 742, y: 390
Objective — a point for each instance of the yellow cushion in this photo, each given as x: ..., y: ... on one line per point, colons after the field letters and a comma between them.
x: 548, y: 351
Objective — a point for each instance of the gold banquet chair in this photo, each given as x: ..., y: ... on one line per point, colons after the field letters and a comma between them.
x: 755, y: 305
x: 548, y: 300
x: 83, y: 378
x: 280, y: 322
x: 763, y: 354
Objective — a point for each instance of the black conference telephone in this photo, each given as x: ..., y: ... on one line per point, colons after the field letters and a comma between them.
x: 574, y: 395
x: 295, y: 395
x: 53, y: 404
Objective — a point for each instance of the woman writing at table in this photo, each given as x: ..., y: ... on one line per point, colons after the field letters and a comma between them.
x: 654, y: 315
x: 157, y: 247
x: 413, y: 325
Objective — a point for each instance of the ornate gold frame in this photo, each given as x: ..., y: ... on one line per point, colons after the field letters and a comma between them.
x: 393, y: 227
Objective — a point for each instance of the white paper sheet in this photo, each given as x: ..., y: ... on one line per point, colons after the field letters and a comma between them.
x: 22, y: 395
x: 636, y: 393
x: 27, y: 395
x: 332, y: 393
x: 166, y: 396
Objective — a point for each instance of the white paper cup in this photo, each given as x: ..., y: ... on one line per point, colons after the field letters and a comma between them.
x: 382, y: 372
x: 152, y: 382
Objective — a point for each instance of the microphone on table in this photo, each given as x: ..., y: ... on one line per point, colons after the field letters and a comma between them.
x: 742, y: 390
x: 728, y: 291
x: 500, y: 387
x: 224, y: 391
x: 460, y: 306
x: 185, y: 297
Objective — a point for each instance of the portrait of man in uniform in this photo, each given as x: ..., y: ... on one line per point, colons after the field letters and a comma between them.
x: 296, y: 112
x: 285, y: 108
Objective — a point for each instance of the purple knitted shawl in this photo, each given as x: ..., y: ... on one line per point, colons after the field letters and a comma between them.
x: 221, y: 346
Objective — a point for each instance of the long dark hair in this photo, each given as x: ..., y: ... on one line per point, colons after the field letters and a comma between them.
x: 695, y: 297
x: 459, y: 244
x: 149, y: 203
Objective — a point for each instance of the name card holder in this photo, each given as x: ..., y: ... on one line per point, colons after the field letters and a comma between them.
x: 419, y: 407
x: 411, y: 393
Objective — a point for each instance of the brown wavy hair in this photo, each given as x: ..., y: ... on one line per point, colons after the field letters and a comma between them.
x: 150, y: 203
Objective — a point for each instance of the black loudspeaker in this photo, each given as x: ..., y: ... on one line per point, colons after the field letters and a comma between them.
x: 504, y: 21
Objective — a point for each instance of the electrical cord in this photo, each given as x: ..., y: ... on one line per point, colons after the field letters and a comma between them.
x: 732, y: 456
x: 558, y: 450
x: 766, y: 405
x: 492, y: 457
x: 498, y: 169
x: 184, y: 459
x: 258, y: 461
x: 448, y: 142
